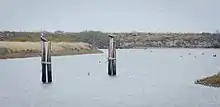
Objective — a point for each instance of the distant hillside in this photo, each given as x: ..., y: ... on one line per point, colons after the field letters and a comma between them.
x: 124, y: 40
x: 33, y: 49
x: 171, y: 40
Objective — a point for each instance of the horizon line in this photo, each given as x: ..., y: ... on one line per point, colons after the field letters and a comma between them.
x: 134, y: 31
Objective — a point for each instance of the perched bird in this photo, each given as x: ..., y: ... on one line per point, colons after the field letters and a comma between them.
x: 42, y: 37
x: 214, y: 55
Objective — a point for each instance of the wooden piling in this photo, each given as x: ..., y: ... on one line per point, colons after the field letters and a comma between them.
x: 111, y: 56
x: 49, y: 68
x: 43, y: 60
x: 114, y: 58
x: 46, y: 60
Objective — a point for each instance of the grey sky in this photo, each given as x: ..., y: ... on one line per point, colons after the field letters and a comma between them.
x: 111, y: 15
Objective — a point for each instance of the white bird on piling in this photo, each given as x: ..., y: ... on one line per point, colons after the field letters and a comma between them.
x: 42, y: 37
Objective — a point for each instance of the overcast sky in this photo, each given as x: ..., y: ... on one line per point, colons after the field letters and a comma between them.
x: 111, y: 15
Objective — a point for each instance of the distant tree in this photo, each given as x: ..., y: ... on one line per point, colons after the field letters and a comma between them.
x: 134, y: 33
x: 217, y: 31
x: 217, y: 35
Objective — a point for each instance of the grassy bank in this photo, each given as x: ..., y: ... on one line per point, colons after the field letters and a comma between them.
x: 33, y: 49
x: 212, y: 81
x: 123, y: 40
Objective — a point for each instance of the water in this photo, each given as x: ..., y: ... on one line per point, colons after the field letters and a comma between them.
x: 160, y: 78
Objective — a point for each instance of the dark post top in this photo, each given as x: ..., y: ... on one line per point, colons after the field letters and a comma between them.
x: 111, y: 36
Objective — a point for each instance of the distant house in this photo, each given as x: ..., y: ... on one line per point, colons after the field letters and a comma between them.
x: 6, y: 31
x: 206, y: 33
x: 59, y: 32
x: 134, y: 33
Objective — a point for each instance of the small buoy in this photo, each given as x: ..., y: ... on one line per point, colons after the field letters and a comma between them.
x: 189, y: 53
x: 214, y: 55
x: 89, y: 73
x: 99, y: 61
x: 194, y: 56
x: 150, y: 51
x: 202, y: 53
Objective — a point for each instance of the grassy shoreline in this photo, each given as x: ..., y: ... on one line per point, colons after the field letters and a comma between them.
x: 123, y: 39
x: 211, y: 81
x: 10, y: 50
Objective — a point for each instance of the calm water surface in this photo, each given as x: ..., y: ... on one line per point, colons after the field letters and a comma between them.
x: 160, y: 78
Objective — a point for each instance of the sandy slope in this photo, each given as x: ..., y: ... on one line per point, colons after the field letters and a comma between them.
x: 30, y: 49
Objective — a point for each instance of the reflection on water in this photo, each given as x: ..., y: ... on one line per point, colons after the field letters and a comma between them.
x: 152, y: 77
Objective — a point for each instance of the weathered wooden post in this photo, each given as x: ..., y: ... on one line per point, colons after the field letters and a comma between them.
x: 49, y: 68
x: 43, y: 60
x: 46, y: 61
x: 112, y: 56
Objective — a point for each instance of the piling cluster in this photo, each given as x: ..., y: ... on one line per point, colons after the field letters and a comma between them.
x: 46, y: 61
x: 112, y: 56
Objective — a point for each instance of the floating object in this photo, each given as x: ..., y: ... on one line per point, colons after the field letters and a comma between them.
x: 214, y: 55
x: 181, y: 56
x: 189, y: 53
x: 99, y: 61
x: 194, y: 56
x: 89, y: 73
x: 112, y: 56
x: 202, y: 53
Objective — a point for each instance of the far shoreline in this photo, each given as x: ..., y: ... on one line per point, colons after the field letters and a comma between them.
x: 161, y: 48
x: 38, y: 56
